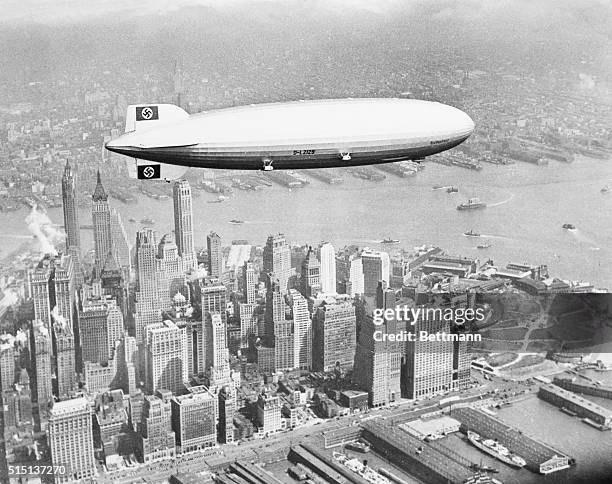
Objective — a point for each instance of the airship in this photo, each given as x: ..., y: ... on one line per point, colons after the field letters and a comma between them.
x: 165, y: 140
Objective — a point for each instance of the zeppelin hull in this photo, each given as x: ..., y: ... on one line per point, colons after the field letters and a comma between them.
x: 294, y: 158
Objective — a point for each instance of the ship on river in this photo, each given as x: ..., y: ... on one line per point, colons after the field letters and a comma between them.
x: 496, y: 450
x: 471, y: 204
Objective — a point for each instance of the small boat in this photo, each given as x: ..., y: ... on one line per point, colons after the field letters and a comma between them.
x: 486, y: 245
x: 236, y: 222
x: 569, y: 226
x: 472, y: 204
x: 389, y: 241
x: 438, y: 187
x: 471, y: 233
x: 131, y: 219
x: 606, y: 189
x: 452, y: 190
x: 147, y: 221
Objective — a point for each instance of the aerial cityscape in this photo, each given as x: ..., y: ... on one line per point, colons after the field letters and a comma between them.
x: 438, y: 320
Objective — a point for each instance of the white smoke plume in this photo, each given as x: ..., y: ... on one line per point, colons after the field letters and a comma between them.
x: 41, y: 226
x: 10, y: 297
x: 199, y: 273
x: 586, y: 81
x: 21, y: 338
x: 38, y: 325
x: 60, y: 321
x: 6, y: 341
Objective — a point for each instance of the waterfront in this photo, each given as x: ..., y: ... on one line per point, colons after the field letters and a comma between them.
x: 526, y: 207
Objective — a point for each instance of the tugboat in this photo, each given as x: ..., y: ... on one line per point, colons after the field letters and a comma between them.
x: 389, y: 241
x: 497, y: 450
x: 471, y: 233
x: 569, y: 226
x: 452, y: 190
x: 236, y: 222
x: 472, y: 204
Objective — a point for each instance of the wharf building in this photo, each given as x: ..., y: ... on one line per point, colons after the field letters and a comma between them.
x: 155, y: 435
x: 71, y: 440
x: 333, y: 334
x: 584, y: 408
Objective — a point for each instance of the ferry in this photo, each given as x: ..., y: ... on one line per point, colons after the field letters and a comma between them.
x: 497, y: 450
x: 471, y: 233
x: 569, y: 226
x: 236, y: 222
x: 389, y: 241
x: 472, y: 204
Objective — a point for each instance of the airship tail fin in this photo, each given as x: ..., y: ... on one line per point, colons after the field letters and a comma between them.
x: 140, y: 117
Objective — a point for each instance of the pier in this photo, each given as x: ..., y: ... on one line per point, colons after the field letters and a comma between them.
x: 581, y: 406
x: 572, y: 385
x: 540, y: 457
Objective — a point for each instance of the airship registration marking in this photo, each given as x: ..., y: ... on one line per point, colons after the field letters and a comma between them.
x: 303, y: 152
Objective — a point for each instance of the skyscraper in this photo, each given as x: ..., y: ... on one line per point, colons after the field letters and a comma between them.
x: 7, y: 362
x: 120, y: 243
x: 171, y: 278
x: 302, y: 330
x: 101, y: 325
x: 251, y: 281
x: 215, y: 255
x: 64, y: 350
x: 377, y: 368
x: 375, y: 266
x: 183, y: 223
x: 216, y: 354
x: 147, y: 305
x: 71, y: 214
x: 41, y: 351
x: 214, y: 298
x: 156, y: 438
x: 194, y: 420
x: 328, y: 269
x: 356, y: 276
x: 71, y: 440
x: 334, y: 334
x: 277, y: 261
x: 310, y: 280
x: 101, y: 216
x: 165, y: 357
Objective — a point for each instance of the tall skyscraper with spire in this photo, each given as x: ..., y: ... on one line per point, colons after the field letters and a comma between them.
x: 71, y: 214
x: 310, y: 282
x: 101, y: 215
x: 183, y: 223
x: 328, y: 269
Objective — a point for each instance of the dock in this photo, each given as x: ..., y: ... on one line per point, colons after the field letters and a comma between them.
x: 540, y: 457
x: 396, y: 169
x: 584, y: 408
x: 572, y: 385
x: 328, y: 176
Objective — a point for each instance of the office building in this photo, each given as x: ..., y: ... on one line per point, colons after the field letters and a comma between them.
x: 215, y: 255
x: 7, y: 362
x: 310, y: 279
x: 183, y: 224
x: 302, y: 330
x: 277, y: 261
x: 147, y: 304
x: 375, y: 266
x: 121, y: 246
x: 356, y: 282
x: 250, y: 282
x: 248, y: 322
x: 334, y: 334
x: 194, y: 420
x: 71, y: 214
x: 65, y: 364
x: 165, y: 357
x: 71, y: 440
x: 216, y: 354
x: 155, y: 435
x: 328, y: 269
x: 41, y: 351
x: 268, y: 414
x: 101, y: 215
x: 214, y: 298
x: 100, y: 327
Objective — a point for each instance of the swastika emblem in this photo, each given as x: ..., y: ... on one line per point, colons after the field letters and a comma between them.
x: 148, y: 172
x: 147, y: 113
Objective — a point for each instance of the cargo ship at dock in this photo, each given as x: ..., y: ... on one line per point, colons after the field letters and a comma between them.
x: 397, y: 169
x: 366, y: 173
x: 496, y: 450
x: 285, y: 179
x: 328, y: 176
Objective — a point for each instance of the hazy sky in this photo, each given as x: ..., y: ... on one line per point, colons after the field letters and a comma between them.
x: 53, y: 11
